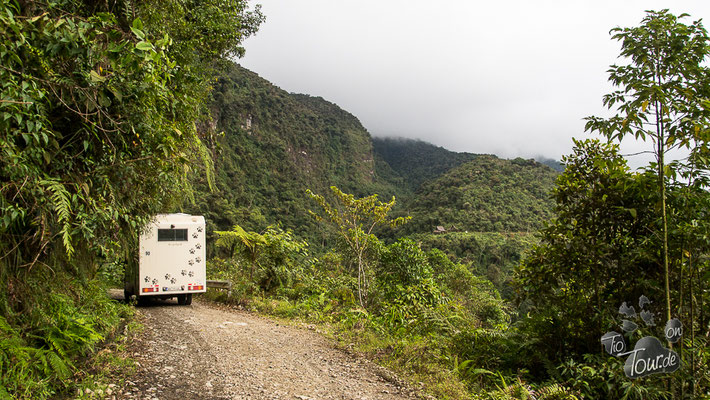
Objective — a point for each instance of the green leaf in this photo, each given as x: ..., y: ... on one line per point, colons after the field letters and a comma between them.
x: 139, y: 33
x: 137, y: 23
x: 144, y: 46
x: 104, y: 101
x: 117, y: 93
x: 95, y: 77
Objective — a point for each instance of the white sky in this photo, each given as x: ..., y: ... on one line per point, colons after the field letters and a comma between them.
x: 513, y: 78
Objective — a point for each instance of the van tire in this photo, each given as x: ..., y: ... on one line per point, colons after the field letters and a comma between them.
x: 182, y: 299
x: 188, y: 299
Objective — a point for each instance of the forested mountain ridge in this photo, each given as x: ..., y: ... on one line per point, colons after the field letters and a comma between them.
x: 487, y: 194
x: 416, y: 161
x: 273, y: 146
x: 277, y: 144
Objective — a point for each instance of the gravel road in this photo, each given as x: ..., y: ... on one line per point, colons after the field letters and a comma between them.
x: 205, y: 352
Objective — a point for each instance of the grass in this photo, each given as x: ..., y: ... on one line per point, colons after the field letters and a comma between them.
x: 68, y: 339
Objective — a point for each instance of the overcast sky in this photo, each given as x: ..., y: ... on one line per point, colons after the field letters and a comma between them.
x: 513, y: 78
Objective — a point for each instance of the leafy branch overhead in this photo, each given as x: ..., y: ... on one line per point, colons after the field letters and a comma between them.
x: 98, y: 112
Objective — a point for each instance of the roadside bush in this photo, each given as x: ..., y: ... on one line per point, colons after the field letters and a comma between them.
x: 477, y: 295
x: 42, y: 348
x: 282, y: 260
x: 274, y: 259
x: 403, y: 263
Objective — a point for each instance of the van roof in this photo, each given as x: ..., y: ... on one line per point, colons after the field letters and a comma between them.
x: 178, y: 218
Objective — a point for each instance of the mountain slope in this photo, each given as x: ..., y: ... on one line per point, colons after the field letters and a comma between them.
x: 274, y: 146
x: 416, y: 161
x: 487, y: 194
x: 490, y: 209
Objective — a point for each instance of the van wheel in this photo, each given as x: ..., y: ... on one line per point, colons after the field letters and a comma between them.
x: 182, y: 299
x: 188, y: 299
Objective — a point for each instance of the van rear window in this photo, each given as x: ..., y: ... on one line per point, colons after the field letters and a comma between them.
x: 172, y: 235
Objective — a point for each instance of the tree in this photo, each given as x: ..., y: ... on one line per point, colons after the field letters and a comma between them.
x: 249, y: 243
x: 661, y: 97
x: 97, y: 119
x: 355, y: 219
x: 595, y: 253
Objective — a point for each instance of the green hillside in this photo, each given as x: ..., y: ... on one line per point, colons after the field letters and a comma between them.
x: 487, y: 194
x: 272, y: 146
x: 416, y: 161
x: 490, y: 209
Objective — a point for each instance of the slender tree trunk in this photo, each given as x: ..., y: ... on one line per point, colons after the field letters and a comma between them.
x: 680, y: 313
x: 692, y: 327
x: 662, y: 183
x: 359, y: 279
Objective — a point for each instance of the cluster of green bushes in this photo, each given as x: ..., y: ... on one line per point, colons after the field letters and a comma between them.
x: 604, y: 248
x: 493, y: 255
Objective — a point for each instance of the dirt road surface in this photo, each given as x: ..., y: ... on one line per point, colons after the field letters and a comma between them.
x: 205, y: 352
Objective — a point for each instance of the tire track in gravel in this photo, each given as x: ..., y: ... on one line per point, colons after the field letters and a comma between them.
x: 205, y: 352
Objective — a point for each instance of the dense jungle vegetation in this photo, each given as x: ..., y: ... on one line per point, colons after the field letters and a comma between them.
x: 99, y: 108
x: 112, y: 112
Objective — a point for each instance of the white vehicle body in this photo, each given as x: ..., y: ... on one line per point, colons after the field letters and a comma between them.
x: 171, y: 261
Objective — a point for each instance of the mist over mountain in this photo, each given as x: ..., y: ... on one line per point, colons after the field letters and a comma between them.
x: 273, y: 145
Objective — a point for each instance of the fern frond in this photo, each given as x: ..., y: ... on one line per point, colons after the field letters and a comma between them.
x: 61, y: 203
x: 555, y: 391
x: 128, y: 10
x: 59, y: 366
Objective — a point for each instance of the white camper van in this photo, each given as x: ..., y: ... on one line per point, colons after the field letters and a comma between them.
x: 171, y: 261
